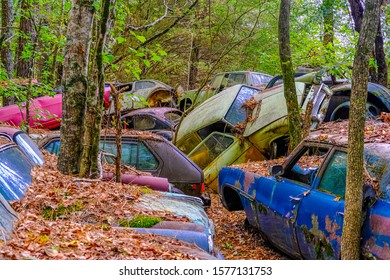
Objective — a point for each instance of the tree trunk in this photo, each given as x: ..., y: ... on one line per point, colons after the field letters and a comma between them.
x: 350, y: 243
x: 294, y: 119
x: 27, y: 35
x: 75, y: 84
x: 94, y: 109
x: 328, y: 15
x: 377, y: 75
x: 380, y: 57
x: 6, y: 52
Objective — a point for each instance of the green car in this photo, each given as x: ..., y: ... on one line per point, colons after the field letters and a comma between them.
x: 220, y: 82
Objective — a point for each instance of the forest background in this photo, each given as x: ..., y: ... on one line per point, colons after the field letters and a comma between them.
x: 184, y: 42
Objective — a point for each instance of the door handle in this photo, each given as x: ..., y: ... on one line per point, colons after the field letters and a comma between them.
x: 340, y: 213
x: 294, y: 198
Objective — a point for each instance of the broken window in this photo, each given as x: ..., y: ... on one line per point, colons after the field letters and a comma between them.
x: 305, y: 165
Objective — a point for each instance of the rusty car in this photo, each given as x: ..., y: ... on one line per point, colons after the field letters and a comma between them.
x: 151, y: 153
x: 144, y: 93
x: 159, y: 120
x: 241, y: 123
x: 299, y: 206
x: 220, y: 82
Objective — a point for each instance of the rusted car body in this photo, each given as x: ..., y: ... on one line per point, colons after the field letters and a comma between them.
x: 220, y: 82
x: 233, y: 134
x: 145, y: 93
x: 150, y: 153
x: 159, y: 120
x: 299, y: 207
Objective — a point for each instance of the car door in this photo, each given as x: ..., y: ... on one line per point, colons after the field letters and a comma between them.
x: 320, y: 216
x: 280, y: 198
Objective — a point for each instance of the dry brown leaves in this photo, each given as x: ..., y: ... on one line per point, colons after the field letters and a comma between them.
x: 337, y: 132
x: 233, y: 240
x: 86, y: 229
x: 259, y: 167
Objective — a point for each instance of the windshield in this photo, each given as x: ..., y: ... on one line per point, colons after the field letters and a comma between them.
x: 15, y: 175
x: 30, y: 148
x: 236, y: 112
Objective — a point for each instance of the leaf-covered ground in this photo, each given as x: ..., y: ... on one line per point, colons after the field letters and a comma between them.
x: 234, y: 240
x: 60, y: 218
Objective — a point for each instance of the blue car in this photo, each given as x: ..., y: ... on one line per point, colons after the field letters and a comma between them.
x: 299, y: 206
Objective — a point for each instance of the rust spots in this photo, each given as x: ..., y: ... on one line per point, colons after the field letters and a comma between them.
x: 380, y: 224
x: 248, y: 181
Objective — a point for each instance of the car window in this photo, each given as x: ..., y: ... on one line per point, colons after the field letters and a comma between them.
x: 236, y: 78
x: 53, y: 147
x: 135, y: 154
x: 15, y: 175
x: 210, y: 148
x: 236, y: 112
x: 334, y: 178
x: 173, y: 117
x: 190, y: 143
x: 304, y: 167
x: 144, y: 84
x: 258, y: 79
x: 377, y: 160
x: 216, y: 81
x: 144, y: 123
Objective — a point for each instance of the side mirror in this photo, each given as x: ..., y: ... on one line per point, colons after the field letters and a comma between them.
x: 276, y: 170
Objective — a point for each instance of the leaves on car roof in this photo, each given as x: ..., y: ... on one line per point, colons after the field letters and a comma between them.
x: 61, y: 219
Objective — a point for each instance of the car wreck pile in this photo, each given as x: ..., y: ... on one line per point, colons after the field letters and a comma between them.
x: 61, y: 217
x: 223, y: 162
x: 298, y: 203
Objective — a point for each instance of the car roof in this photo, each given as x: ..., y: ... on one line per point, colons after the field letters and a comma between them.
x: 158, y: 111
x: 336, y: 133
x: 210, y: 111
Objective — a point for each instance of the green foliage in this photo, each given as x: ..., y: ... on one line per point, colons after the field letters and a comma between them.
x: 141, y: 221
x: 132, y: 54
x: 61, y: 211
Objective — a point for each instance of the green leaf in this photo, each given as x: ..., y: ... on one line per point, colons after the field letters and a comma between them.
x: 156, y: 58
x: 147, y: 63
x: 162, y: 52
x: 120, y: 40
